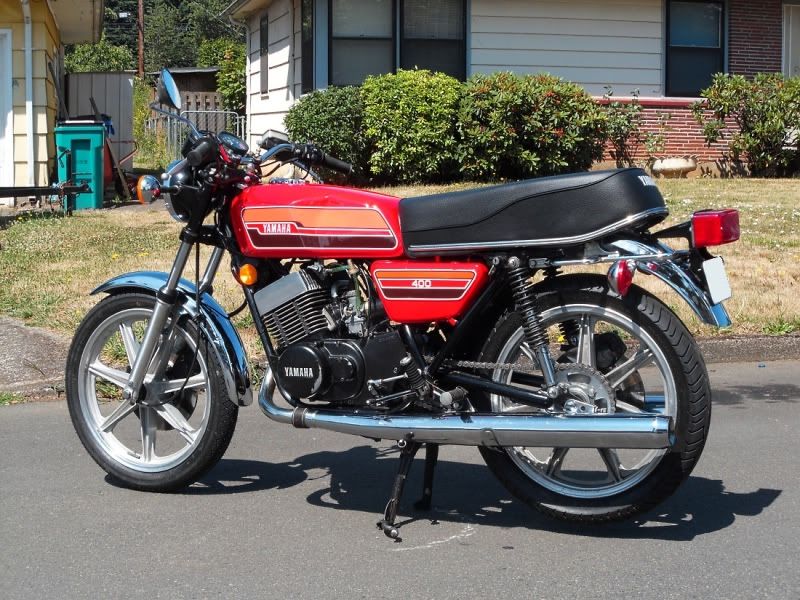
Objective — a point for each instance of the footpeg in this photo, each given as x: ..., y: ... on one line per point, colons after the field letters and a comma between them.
x: 453, y: 399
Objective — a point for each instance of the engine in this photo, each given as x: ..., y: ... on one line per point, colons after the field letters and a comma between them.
x: 324, y: 322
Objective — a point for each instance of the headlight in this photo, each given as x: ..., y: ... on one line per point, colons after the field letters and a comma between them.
x: 178, y: 205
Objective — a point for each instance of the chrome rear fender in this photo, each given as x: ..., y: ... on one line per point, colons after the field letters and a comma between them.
x: 210, y: 317
x: 680, y: 280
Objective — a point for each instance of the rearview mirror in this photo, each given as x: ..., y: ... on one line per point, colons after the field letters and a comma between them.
x: 167, y: 90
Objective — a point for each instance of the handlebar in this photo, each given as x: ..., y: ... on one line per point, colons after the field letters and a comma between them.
x: 308, y: 153
x: 203, y: 151
x: 337, y: 165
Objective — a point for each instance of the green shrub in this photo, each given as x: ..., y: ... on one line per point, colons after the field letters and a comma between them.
x: 758, y: 118
x: 333, y: 120
x: 151, y: 152
x: 230, y: 57
x: 410, y: 122
x: 623, y: 127
x: 513, y: 127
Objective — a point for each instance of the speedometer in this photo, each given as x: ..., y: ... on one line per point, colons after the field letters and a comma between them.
x: 233, y: 143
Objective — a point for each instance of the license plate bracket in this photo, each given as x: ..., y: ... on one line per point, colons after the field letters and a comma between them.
x: 719, y: 288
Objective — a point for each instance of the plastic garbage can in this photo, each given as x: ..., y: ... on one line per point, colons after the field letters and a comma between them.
x: 80, y: 153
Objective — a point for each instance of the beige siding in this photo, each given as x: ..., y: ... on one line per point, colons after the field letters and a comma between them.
x: 266, y: 111
x: 46, y: 48
x: 593, y: 43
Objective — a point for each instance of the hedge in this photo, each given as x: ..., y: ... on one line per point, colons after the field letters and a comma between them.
x: 418, y: 126
x: 758, y: 118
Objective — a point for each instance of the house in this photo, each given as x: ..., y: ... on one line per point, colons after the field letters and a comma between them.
x: 665, y: 49
x: 32, y: 38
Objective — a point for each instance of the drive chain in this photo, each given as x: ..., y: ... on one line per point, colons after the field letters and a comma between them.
x: 490, y: 366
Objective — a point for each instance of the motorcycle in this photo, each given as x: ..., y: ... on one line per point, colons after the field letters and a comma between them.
x: 443, y: 319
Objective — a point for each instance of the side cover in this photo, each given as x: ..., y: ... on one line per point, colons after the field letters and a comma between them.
x: 316, y: 221
x: 427, y: 291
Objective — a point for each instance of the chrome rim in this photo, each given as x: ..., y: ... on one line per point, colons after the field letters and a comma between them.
x: 640, y: 379
x: 165, y: 429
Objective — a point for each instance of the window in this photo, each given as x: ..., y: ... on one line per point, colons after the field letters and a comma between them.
x: 362, y: 40
x: 695, y: 48
x: 264, y: 53
x: 433, y: 36
x: 371, y: 37
x: 307, y: 46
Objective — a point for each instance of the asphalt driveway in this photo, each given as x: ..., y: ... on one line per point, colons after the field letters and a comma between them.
x: 291, y: 514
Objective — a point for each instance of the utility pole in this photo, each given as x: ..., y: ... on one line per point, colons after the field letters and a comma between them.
x: 140, y: 27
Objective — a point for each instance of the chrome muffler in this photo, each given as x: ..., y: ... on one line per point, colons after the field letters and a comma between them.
x: 476, y: 429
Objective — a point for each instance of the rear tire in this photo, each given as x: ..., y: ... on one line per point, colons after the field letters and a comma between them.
x: 187, y: 425
x: 543, y: 484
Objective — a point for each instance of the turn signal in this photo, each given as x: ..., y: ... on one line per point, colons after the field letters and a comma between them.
x: 248, y: 275
x: 620, y: 276
x: 715, y: 227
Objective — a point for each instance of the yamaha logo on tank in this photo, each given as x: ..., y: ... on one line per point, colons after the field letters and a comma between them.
x: 305, y: 372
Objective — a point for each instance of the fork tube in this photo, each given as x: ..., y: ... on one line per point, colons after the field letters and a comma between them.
x: 211, y: 270
x: 165, y: 301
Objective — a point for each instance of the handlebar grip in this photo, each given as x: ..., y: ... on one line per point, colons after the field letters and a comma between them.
x: 336, y: 164
x: 202, y: 152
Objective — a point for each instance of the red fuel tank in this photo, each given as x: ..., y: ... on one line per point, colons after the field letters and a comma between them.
x: 316, y: 221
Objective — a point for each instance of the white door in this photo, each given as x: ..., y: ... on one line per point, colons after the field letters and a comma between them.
x: 791, y: 40
x: 6, y: 112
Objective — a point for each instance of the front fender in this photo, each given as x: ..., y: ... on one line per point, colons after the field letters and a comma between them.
x: 211, y: 318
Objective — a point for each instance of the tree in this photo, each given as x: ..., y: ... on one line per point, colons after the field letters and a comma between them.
x: 229, y: 56
x: 174, y: 30
x: 120, y: 24
x: 102, y: 56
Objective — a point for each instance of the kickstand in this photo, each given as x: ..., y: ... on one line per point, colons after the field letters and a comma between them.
x: 408, y: 449
x: 431, y: 456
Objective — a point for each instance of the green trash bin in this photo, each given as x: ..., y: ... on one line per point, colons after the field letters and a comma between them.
x: 79, y: 148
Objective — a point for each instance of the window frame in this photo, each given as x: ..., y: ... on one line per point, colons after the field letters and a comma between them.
x: 263, y: 54
x: 398, y: 8
x: 307, y: 59
x: 723, y: 39
x: 363, y: 38
x: 462, y: 75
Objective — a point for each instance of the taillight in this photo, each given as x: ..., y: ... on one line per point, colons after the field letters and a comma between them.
x: 620, y: 276
x: 715, y: 227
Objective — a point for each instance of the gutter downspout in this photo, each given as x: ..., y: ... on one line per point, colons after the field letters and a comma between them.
x: 242, y: 25
x: 26, y: 13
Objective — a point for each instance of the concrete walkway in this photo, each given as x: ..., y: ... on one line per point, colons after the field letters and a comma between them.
x: 32, y: 359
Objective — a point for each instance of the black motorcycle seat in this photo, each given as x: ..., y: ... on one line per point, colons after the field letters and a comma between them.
x: 562, y: 210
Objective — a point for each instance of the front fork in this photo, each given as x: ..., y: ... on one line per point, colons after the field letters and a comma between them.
x: 159, y: 325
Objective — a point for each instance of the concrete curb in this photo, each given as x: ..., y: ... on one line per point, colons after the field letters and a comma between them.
x: 758, y: 348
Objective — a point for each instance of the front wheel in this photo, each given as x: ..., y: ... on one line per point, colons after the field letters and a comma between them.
x: 183, y: 421
x: 623, y: 355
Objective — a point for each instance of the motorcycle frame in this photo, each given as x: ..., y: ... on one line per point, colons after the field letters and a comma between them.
x: 171, y: 292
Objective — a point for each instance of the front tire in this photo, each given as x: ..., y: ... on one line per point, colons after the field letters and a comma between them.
x: 649, y: 363
x: 185, y: 423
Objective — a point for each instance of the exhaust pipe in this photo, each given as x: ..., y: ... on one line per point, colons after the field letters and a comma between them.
x: 475, y: 429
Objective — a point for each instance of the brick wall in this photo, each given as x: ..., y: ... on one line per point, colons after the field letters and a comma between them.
x: 755, y: 36
x: 683, y: 136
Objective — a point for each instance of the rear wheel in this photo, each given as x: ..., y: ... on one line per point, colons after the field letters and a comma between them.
x: 623, y: 355
x: 183, y: 421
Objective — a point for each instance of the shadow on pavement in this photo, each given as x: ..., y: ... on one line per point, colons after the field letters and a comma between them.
x: 361, y: 479
x: 743, y: 396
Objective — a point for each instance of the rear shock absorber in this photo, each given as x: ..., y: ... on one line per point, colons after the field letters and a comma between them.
x: 525, y: 301
x: 569, y: 329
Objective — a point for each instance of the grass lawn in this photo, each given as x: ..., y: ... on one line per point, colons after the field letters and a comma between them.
x: 48, y: 266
